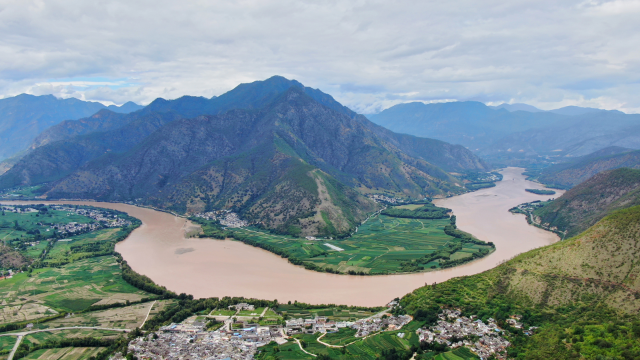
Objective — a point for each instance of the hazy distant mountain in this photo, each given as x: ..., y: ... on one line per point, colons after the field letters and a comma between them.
x: 469, y: 123
x: 576, y: 110
x: 286, y: 160
x: 125, y: 108
x: 571, y: 173
x: 517, y: 107
x: 508, y: 137
x: 580, y: 135
x: 23, y: 117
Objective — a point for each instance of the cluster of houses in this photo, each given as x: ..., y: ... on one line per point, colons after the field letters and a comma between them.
x: 239, y: 339
x: 319, y: 324
x: 528, y: 210
x: 384, y: 198
x: 181, y: 345
x: 225, y: 217
x: 369, y: 326
x: 363, y: 327
x: 190, y: 340
x: 107, y: 220
x: 453, y: 330
x: 102, y: 219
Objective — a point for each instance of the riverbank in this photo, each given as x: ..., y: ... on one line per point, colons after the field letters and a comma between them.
x: 208, y: 268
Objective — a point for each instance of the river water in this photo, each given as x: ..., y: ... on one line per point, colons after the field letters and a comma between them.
x: 207, y: 268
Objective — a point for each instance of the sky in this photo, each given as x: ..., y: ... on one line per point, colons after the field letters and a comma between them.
x: 369, y: 55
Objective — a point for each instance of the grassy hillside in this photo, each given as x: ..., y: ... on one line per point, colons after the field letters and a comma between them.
x: 585, y: 204
x: 583, y: 293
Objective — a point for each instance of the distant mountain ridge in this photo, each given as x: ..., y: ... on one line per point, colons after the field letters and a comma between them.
x: 585, y: 204
x: 244, y: 96
x: 574, y: 171
x: 24, y: 116
x: 515, y: 134
x: 283, y: 157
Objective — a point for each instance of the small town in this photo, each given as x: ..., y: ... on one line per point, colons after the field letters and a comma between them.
x: 225, y: 217
x: 102, y: 219
x: 455, y: 331
x: 239, y: 337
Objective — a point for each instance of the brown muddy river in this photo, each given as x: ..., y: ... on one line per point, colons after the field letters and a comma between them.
x: 207, y: 268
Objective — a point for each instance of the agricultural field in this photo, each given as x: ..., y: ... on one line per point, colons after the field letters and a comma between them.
x: 83, y: 245
x: 26, y: 192
x: 457, y: 354
x: 288, y: 351
x: 336, y: 313
x: 255, y: 312
x: 222, y: 312
x: 128, y: 317
x: 342, y: 337
x: 71, y: 288
x: 270, y: 318
x: 6, y: 343
x: 383, y: 245
x: 69, y: 353
x: 42, y: 337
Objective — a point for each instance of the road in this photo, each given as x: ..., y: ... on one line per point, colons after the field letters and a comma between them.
x: 21, y: 335
x: 301, y: 348
x: 149, y: 312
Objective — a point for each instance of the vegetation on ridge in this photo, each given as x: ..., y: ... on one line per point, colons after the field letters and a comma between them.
x: 579, y: 208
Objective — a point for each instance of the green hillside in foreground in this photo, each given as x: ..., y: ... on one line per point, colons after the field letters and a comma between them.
x: 584, y: 205
x: 583, y: 293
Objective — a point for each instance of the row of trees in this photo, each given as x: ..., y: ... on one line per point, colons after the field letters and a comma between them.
x: 452, y: 230
x: 427, y: 211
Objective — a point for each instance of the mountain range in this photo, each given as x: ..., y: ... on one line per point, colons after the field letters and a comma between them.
x: 574, y: 171
x: 25, y: 116
x: 285, y: 156
x: 585, y: 204
x: 515, y: 134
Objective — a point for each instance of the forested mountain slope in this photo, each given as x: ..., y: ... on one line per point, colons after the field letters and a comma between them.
x: 274, y: 165
x: 584, y: 205
x: 571, y: 173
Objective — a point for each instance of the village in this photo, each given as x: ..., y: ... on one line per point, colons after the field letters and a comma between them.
x: 225, y: 217
x: 454, y: 330
x: 239, y: 337
x: 102, y: 219
x: 384, y: 199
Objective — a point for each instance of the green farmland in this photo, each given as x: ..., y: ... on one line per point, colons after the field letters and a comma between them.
x: 70, y: 288
x: 294, y: 311
x: 383, y: 245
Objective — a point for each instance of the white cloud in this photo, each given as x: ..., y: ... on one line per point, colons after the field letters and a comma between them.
x: 368, y: 54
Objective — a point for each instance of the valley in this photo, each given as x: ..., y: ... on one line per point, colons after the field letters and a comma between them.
x: 206, y: 268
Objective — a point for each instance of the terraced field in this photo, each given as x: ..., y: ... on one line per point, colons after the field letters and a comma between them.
x: 383, y: 245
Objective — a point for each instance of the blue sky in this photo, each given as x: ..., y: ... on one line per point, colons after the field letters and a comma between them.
x: 368, y: 54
